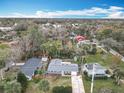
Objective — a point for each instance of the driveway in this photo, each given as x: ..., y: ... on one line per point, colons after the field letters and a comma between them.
x: 77, y: 84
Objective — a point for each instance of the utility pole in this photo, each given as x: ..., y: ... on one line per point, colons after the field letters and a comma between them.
x: 93, y: 72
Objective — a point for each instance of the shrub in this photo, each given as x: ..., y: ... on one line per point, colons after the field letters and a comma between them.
x: 44, y: 85
x: 21, y: 78
x: 62, y: 89
x: 12, y: 87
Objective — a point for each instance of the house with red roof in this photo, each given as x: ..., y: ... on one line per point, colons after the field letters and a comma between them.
x: 79, y: 38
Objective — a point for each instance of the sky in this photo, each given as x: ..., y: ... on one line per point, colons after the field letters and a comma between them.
x: 62, y: 8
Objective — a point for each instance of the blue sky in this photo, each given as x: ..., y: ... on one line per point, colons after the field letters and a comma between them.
x: 62, y: 8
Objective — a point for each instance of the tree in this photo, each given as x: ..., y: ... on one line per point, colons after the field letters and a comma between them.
x: 22, y: 79
x: 107, y: 32
x: 44, y: 86
x: 12, y: 87
x: 21, y: 27
x: 36, y: 39
x: 118, y: 74
x: 52, y: 47
x: 94, y: 50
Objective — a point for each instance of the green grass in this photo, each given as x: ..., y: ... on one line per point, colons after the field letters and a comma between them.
x: 106, y: 60
x: 3, y: 46
x: 102, y: 83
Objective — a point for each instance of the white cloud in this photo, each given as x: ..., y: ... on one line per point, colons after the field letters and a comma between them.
x: 115, y: 8
x: 116, y: 15
x: 111, y: 12
x: 115, y: 12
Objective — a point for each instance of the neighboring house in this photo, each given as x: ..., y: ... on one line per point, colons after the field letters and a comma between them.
x: 57, y: 66
x: 99, y: 71
x: 30, y: 66
x: 79, y: 38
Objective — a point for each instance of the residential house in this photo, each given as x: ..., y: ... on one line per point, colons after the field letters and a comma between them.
x: 57, y: 66
x: 30, y: 66
x: 99, y: 71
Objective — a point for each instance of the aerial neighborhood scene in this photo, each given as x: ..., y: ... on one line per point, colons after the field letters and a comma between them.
x: 62, y: 46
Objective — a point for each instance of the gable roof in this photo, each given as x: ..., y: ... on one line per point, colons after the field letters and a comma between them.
x: 30, y: 66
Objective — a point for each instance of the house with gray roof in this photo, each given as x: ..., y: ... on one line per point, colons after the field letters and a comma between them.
x: 57, y: 66
x: 30, y: 66
x: 99, y: 71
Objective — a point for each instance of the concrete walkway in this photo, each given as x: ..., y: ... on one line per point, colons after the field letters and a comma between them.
x: 77, y: 84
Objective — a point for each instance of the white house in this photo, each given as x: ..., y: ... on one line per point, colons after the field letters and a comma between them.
x: 99, y: 71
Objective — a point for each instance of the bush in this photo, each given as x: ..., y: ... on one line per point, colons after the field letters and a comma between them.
x: 94, y: 50
x: 12, y: 87
x: 21, y: 27
x: 44, y: 85
x: 21, y: 78
x: 62, y: 89
x: 36, y: 80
